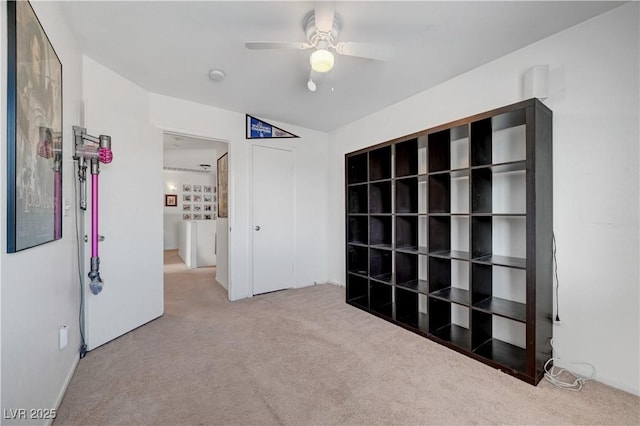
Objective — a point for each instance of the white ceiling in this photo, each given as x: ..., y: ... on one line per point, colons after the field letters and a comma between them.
x: 169, y: 47
x: 188, y: 152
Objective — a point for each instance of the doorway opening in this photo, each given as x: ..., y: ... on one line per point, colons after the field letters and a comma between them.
x: 195, y: 229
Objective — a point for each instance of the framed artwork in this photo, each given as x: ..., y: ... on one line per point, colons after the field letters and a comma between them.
x: 208, y: 188
x: 223, y: 185
x: 186, y: 197
x: 186, y: 216
x: 207, y: 207
x: 34, y: 132
x: 197, y: 207
x: 197, y: 188
x: 207, y: 216
x: 186, y: 188
x: 171, y: 200
x: 197, y: 216
x: 197, y: 198
x: 186, y: 207
x: 207, y: 198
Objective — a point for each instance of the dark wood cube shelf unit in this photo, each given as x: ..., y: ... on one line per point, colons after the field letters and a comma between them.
x: 449, y: 235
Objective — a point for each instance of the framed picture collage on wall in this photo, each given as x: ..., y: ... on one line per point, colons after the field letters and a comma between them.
x: 198, y: 202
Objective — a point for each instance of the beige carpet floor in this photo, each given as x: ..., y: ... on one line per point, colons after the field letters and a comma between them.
x: 303, y: 357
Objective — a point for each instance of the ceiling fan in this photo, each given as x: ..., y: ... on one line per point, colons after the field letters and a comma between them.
x: 322, y: 27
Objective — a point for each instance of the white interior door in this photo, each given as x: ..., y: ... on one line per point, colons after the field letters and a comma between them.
x: 273, y: 243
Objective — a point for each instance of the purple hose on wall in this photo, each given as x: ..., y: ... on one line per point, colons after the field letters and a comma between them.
x: 104, y: 156
x: 94, y: 215
x: 57, y: 213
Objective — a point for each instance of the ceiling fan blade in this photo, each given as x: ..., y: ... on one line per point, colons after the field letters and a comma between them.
x: 380, y: 52
x: 324, y: 15
x: 262, y: 45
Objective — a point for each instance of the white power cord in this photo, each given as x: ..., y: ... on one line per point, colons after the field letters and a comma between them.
x: 553, y: 374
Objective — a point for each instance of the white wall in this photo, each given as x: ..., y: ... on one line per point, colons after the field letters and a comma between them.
x: 40, y: 288
x: 173, y: 215
x: 594, y: 73
x: 311, y: 181
x: 131, y: 205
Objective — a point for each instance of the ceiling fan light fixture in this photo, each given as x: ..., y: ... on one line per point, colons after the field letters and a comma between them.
x: 322, y: 60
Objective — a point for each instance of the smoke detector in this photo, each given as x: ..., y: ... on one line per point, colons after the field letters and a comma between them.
x: 216, y: 74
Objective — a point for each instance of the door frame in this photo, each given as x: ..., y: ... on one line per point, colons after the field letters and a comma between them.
x: 282, y: 147
x: 230, y: 191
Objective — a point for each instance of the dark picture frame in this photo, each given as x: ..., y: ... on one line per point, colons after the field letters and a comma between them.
x: 171, y: 200
x: 223, y: 186
x: 34, y: 132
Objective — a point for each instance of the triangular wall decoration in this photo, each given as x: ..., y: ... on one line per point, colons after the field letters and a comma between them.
x: 258, y: 129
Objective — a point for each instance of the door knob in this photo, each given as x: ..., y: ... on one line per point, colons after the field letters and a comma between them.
x: 257, y: 228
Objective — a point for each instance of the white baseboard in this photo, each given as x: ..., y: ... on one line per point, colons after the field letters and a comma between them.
x: 67, y: 380
x: 586, y: 372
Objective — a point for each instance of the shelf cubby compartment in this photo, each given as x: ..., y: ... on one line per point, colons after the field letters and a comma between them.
x: 380, y: 265
x: 509, y: 193
x: 439, y: 151
x: 481, y: 190
x: 422, y: 155
x: 499, y: 240
x: 449, y: 322
x: 407, y: 232
x: 357, y: 168
x: 481, y: 243
x: 439, y: 193
x: 357, y: 199
x: 457, y: 278
x: 380, y: 163
x: 498, y: 294
x: 499, y: 339
x: 380, y: 231
x: 509, y: 137
x: 357, y: 259
x: 481, y: 142
x: 358, y: 230
x: 422, y: 234
x: 509, y: 236
x: 423, y: 274
x: 380, y: 197
x: 460, y: 237
x: 381, y: 298
x: 441, y: 231
x: 407, y: 307
x: 459, y: 194
x: 422, y: 194
x: 439, y: 274
x: 459, y: 141
x: 439, y: 234
x: 407, y: 195
x: 406, y: 271
x: 358, y: 290
x: 407, y: 158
